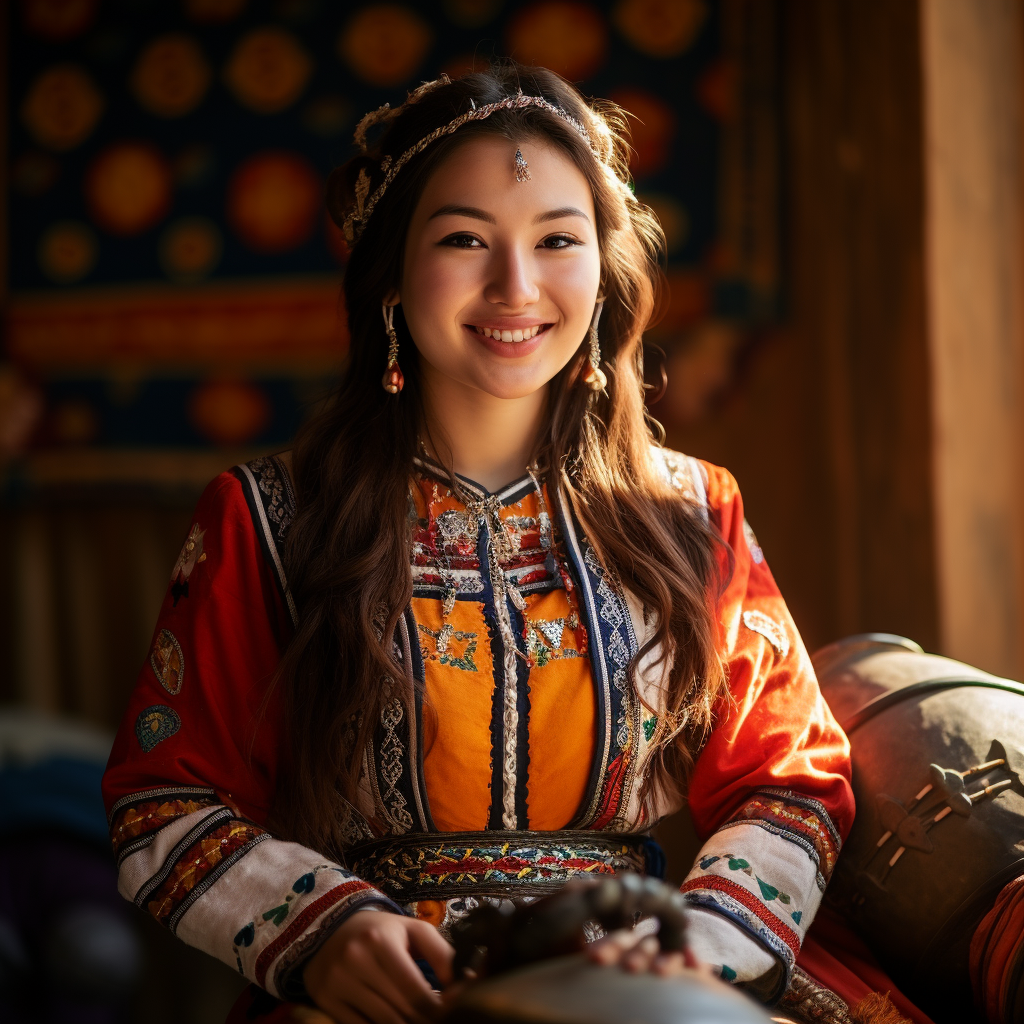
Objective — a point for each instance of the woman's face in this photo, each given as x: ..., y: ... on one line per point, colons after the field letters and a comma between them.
x: 501, y: 276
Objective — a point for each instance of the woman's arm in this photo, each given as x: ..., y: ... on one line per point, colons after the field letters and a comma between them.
x: 194, y: 765
x: 770, y: 790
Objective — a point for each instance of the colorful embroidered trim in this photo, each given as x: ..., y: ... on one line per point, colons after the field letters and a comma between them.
x: 194, y: 868
x: 745, y: 898
x: 136, y: 825
x: 799, y: 819
x: 806, y: 1000
x: 304, y: 919
x: 493, y: 863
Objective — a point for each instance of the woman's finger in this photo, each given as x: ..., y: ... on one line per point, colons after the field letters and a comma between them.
x: 373, y: 1006
x: 669, y: 964
x: 395, y: 976
x: 428, y: 942
x: 610, y: 949
x: 641, y: 957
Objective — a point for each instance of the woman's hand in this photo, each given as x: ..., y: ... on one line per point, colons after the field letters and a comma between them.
x: 638, y: 951
x: 366, y: 971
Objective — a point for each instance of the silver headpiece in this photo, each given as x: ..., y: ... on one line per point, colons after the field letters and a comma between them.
x: 365, y: 202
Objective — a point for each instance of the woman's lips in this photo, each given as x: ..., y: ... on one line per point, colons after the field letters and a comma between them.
x: 531, y: 339
x: 510, y: 336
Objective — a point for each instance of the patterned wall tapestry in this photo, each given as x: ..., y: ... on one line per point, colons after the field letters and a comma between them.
x: 173, y: 277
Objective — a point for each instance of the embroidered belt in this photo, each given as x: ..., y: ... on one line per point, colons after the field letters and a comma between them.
x: 449, y: 864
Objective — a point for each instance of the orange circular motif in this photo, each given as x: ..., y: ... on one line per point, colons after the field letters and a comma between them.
x: 128, y: 188
x: 273, y: 201
x: 652, y: 125
x: 570, y: 39
x: 660, y: 28
x: 190, y: 248
x: 62, y: 107
x: 229, y: 412
x: 385, y: 44
x: 171, y: 76
x: 268, y: 70
x: 57, y: 19
x: 67, y: 252
x: 213, y: 11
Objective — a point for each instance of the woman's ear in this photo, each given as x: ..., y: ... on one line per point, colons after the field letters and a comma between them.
x: 392, y: 298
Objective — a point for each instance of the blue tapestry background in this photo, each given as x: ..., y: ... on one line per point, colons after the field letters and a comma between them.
x: 173, y: 277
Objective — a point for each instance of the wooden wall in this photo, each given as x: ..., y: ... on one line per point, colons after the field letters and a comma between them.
x: 828, y: 429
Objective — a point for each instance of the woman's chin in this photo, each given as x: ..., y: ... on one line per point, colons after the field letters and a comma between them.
x: 508, y: 383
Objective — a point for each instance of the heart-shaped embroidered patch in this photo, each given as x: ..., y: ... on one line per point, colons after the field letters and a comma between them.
x: 155, y: 724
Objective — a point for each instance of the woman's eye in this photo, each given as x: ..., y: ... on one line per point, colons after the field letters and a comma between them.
x: 462, y: 241
x: 558, y: 242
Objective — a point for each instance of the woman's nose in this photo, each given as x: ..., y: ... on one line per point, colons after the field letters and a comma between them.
x: 512, y: 280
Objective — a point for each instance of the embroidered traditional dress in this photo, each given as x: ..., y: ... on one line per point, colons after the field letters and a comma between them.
x: 521, y: 762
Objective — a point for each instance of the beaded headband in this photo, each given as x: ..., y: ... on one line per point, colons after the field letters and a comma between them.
x: 365, y: 203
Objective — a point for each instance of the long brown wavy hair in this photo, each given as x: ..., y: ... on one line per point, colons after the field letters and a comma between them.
x: 347, y: 554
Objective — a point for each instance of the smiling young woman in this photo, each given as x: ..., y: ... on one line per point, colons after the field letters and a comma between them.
x: 479, y: 631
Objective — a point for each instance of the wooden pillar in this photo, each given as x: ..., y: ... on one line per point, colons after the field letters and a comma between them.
x: 972, y: 70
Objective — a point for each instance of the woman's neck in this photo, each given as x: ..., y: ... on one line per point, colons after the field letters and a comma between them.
x: 489, y: 440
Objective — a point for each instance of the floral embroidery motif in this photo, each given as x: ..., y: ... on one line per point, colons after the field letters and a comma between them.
x: 678, y: 468
x: 155, y: 724
x: 544, y: 641
x: 191, y: 555
x: 613, y: 611
x: 755, y: 549
x: 443, y: 651
x: 806, y: 1000
x: 274, y: 483
x: 277, y: 915
x: 422, y: 868
x: 771, y: 630
x: 392, y: 754
x: 717, y: 891
x: 149, y: 816
x: 800, y: 820
x: 167, y: 662
x: 204, y: 858
x: 768, y: 892
x: 325, y: 911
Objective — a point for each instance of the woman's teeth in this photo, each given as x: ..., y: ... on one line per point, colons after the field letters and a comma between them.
x: 517, y: 335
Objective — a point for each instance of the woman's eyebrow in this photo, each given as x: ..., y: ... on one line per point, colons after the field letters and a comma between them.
x: 562, y: 211
x: 464, y: 211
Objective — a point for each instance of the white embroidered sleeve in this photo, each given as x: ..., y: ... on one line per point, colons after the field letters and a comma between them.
x: 764, y: 872
x: 225, y: 885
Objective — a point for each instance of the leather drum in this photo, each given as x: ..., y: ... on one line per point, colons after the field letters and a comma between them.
x: 937, y: 775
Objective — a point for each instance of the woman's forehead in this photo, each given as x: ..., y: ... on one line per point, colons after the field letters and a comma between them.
x: 481, y: 174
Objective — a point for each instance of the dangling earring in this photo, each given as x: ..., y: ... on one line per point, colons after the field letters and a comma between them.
x: 393, y: 380
x: 595, y: 378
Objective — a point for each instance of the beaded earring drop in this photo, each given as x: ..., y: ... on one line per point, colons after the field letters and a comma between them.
x: 393, y: 380
x: 595, y: 378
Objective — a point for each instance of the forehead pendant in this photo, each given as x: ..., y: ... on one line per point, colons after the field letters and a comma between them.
x: 522, y: 167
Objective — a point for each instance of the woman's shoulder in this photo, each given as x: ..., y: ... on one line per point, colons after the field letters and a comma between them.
x: 250, y: 507
x: 259, y: 490
x: 700, y: 481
